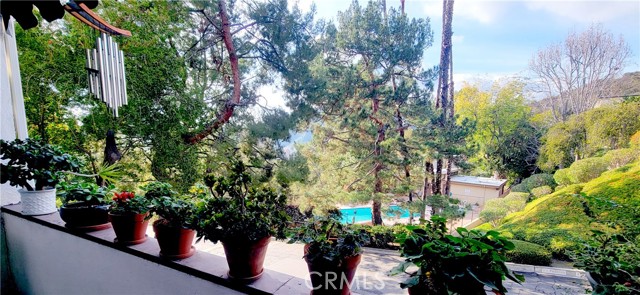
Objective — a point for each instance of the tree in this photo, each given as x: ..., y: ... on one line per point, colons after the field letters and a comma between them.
x: 357, y: 86
x: 576, y: 73
x: 505, y: 137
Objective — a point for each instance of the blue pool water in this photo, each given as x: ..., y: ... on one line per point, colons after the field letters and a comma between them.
x: 364, y: 213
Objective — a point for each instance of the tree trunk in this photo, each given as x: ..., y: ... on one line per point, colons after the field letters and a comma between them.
x: 437, y: 178
x: 226, y: 113
x: 376, y: 216
x: 446, y: 186
x: 427, y: 186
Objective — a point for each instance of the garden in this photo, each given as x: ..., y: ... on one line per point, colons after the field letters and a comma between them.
x: 248, y: 122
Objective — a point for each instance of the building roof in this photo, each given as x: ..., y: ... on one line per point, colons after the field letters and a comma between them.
x: 486, y: 181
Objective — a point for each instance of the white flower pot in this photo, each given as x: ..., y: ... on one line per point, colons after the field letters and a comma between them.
x: 38, y: 202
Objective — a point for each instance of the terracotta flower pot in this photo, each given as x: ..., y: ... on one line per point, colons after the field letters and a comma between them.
x: 130, y: 229
x: 329, y: 278
x: 175, y: 242
x: 246, y: 259
x: 85, y: 217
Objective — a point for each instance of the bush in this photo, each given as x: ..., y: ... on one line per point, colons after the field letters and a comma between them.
x: 541, y: 191
x: 562, y: 177
x: 529, y: 253
x: 634, y: 141
x: 586, y: 169
x: 380, y: 236
x: 533, y: 181
x: 620, y: 157
x: 515, y: 202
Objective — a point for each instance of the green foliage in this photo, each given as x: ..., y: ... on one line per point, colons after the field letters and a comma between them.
x: 83, y: 192
x: 541, y: 191
x: 561, y: 176
x: 454, y: 265
x: 528, y: 253
x: 175, y: 210
x: 588, y: 134
x: 30, y: 159
x: 620, y: 157
x: 586, y: 169
x: 506, y: 138
x: 241, y: 209
x: 125, y: 203
x: 494, y: 211
x: 380, y: 236
x: 562, y: 220
x: 328, y: 239
x: 533, y: 181
x: 613, y: 263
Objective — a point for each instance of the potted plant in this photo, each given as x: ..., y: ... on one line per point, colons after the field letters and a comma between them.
x: 243, y: 214
x: 84, y: 205
x: 34, y: 166
x: 175, y: 227
x: 612, y: 263
x: 129, y: 216
x: 449, y: 264
x: 332, y: 252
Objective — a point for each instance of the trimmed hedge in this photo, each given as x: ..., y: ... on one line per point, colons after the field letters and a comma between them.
x: 562, y: 220
x: 533, y: 181
x: 586, y: 169
x: 381, y: 236
x: 529, y: 253
x: 541, y: 191
x: 620, y: 157
x: 562, y: 177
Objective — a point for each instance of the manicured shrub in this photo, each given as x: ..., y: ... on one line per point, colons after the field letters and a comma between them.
x: 485, y: 227
x: 519, y: 188
x: 515, y: 202
x: 562, y: 177
x: 586, y: 169
x: 529, y: 253
x: 620, y: 157
x: 634, y: 141
x: 494, y: 210
x: 541, y: 191
x: 534, y: 181
x: 380, y: 236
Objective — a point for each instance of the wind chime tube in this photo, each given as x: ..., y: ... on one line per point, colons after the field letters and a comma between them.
x: 95, y: 76
x: 107, y: 70
x: 116, y: 74
x: 87, y: 65
x: 114, y: 90
x: 124, y: 79
x: 100, y: 61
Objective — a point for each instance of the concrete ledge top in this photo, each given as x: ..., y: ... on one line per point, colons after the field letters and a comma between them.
x: 203, y: 265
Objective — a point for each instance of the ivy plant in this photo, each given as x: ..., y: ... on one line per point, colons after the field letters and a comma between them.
x: 240, y: 208
x: 30, y: 159
x: 449, y: 264
x: 329, y: 240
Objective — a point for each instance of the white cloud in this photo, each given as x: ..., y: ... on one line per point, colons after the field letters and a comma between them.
x: 586, y: 11
x: 484, y: 12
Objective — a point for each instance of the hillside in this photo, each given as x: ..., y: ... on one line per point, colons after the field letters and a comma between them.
x: 561, y: 220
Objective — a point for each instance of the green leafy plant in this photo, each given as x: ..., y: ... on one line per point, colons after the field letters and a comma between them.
x: 129, y: 203
x: 454, y: 265
x: 328, y: 239
x: 241, y: 209
x: 174, y: 209
x: 31, y: 159
x: 612, y: 261
x: 528, y: 253
x: 83, y: 192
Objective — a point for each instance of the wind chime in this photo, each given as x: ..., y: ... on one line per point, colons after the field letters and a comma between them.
x: 105, y: 67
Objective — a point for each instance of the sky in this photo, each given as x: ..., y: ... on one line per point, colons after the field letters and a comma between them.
x: 493, y: 40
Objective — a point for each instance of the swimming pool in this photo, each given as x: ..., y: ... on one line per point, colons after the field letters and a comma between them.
x: 362, y: 214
